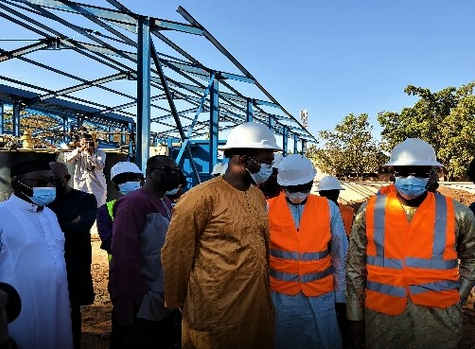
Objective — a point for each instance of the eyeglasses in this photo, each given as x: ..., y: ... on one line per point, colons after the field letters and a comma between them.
x: 419, y: 174
x: 165, y: 169
x: 260, y: 161
x: 303, y: 188
x: 43, y: 182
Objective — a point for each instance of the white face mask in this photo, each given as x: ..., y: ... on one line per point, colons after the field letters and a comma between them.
x: 263, y: 175
x: 296, y: 198
x: 172, y: 192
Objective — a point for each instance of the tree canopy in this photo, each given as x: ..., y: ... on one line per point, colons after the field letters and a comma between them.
x: 445, y: 119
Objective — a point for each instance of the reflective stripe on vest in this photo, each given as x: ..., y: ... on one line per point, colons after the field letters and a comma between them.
x: 300, y: 260
x: 416, y: 259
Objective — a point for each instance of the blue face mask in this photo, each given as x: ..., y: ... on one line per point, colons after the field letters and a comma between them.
x: 263, y: 174
x: 172, y: 192
x: 411, y: 187
x: 43, y: 196
x: 127, y: 187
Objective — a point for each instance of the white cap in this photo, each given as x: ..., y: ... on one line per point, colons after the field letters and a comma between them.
x: 413, y: 152
x: 251, y: 135
x: 295, y: 169
x: 124, y: 167
x: 329, y: 183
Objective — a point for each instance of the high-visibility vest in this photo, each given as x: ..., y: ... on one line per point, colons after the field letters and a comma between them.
x: 110, y: 207
x: 391, y: 188
x: 300, y: 259
x: 414, y: 259
x: 347, y: 214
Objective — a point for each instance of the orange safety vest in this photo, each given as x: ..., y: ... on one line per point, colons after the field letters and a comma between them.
x: 415, y: 259
x: 300, y: 259
x: 347, y: 213
x: 391, y: 188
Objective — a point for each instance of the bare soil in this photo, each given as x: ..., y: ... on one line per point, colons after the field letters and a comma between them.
x: 96, y: 317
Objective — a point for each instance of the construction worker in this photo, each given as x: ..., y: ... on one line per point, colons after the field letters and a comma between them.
x: 307, y: 276
x: 405, y: 286
x: 215, y: 257
x: 126, y: 177
x: 329, y: 187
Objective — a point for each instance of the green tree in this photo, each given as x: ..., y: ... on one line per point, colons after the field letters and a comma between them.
x: 445, y: 119
x: 349, y: 150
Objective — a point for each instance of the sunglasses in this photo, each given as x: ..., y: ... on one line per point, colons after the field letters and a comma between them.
x: 260, y: 161
x: 165, y: 169
x: 419, y: 174
x: 43, y: 182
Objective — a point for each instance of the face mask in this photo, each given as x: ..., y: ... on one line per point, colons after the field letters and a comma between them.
x: 127, y: 187
x: 411, y: 187
x: 172, y: 192
x: 296, y: 198
x: 43, y: 196
x: 263, y: 174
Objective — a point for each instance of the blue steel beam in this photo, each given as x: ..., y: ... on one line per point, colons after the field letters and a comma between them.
x: 16, y: 119
x: 197, y: 114
x: 296, y: 139
x: 2, y: 113
x: 249, y: 110
x: 285, y: 135
x: 143, y: 93
x: 213, y: 125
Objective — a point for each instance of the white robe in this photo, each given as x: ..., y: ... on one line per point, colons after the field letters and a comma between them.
x: 88, y: 173
x: 32, y: 261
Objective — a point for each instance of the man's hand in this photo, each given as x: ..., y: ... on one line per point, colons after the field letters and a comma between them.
x: 356, y: 334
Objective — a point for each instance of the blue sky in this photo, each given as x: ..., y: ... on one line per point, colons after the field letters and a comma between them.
x: 331, y: 57
x: 335, y: 57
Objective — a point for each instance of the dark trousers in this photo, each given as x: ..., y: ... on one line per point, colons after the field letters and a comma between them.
x: 144, y: 334
x: 76, y: 322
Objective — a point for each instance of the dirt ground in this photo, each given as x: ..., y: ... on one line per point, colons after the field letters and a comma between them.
x: 96, y: 317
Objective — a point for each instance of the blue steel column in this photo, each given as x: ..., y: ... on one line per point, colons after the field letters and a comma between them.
x: 16, y: 119
x: 66, y: 136
x: 270, y: 123
x: 304, y: 147
x: 2, y: 114
x: 285, y: 135
x: 132, y: 143
x: 249, y: 110
x: 213, y: 125
x: 296, y: 139
x: 122, y: 134
x: 143, y: 93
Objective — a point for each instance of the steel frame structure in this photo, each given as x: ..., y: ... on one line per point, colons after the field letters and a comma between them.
x: 106, y: 64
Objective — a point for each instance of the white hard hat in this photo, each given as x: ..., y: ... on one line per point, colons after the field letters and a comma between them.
x: 251, y: 135
x: 413, y: 152
x: 295, y: 169
x: 277, y: 159
x: 329, y: 183
x: 218, y: 169
x: 124, y: 167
